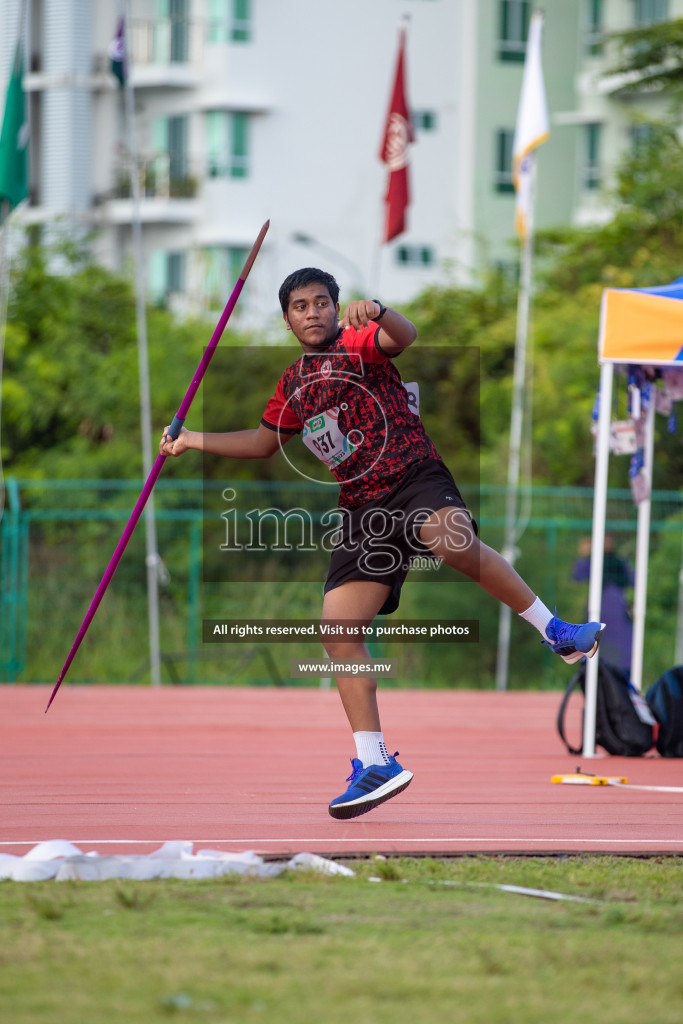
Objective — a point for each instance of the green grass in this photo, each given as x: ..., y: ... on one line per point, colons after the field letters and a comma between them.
x: 433, y: 941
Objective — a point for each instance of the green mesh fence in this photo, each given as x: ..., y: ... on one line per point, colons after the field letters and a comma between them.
x: 58, y: 536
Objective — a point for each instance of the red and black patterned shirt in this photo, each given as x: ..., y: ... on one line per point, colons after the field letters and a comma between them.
x: 354, y: 413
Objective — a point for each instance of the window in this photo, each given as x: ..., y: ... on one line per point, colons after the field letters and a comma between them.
x: 227, y: 144
x: 514, y: 29
x: 649, y: 12
x: 170, y: 164
x: 175, y: 271
x: 171, y: 31
x: 641, y: 135
x: 505, y: 138
x: 230, y: 21
x: 166, y: 275
x: 591, y: 166
x: 415, y: 255
x: 594, y: 37
x: 222, y: 266
x: 424, y: 120
x: 241, y: 21
x: 177, y: 147
x: 506, y: 274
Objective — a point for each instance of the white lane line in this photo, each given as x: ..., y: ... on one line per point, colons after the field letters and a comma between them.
x: 252, y: 842
x: 652, y: 789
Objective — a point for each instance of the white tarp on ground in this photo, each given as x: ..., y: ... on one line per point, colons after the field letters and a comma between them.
x: 61, y: 860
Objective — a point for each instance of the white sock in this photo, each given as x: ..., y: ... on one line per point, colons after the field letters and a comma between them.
x: 539, y: 616
x: 370, y: 748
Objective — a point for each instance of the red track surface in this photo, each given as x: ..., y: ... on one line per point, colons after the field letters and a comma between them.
x: 122, y: 769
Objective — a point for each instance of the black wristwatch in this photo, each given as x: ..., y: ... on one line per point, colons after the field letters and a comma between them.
x: 382, y: 311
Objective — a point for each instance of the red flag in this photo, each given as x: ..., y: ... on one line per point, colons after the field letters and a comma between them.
x: 398, y: 134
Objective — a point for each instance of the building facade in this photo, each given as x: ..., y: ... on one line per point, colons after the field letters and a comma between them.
x: 605, y: 119
x: 252, y: 109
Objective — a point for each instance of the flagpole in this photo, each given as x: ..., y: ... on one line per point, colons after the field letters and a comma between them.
x: 532, y: 128
x: 509, y: 550
x: 376, y: 270
x: 152, y: 560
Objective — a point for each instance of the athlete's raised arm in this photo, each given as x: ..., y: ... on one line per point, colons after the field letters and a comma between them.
x: 259, y: 443
x: 396, y: 331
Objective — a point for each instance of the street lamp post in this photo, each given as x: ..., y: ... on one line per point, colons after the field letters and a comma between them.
x: 337, y: 257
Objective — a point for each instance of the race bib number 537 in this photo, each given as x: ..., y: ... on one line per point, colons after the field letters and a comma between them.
x: 321, y: 434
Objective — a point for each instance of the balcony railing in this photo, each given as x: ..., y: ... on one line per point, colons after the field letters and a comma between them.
x: 160, y: 176
x: 167, y: 41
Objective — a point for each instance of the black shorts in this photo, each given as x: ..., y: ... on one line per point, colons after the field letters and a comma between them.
x: 379, y: 540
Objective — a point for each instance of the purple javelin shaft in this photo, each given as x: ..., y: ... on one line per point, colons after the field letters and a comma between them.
x: 174, y: 430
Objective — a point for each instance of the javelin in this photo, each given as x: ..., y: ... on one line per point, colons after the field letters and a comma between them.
x: 173, y: 430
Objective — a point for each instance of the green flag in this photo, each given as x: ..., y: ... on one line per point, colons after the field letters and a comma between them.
x: 14, y: 138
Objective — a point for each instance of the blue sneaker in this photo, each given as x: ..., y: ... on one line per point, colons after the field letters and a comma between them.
x: 571, y: 642
x: 370, y: 787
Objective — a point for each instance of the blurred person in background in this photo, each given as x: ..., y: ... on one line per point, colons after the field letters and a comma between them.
x: 617, y: 578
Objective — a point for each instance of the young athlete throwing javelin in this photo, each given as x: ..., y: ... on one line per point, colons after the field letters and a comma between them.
x: 345, y: 396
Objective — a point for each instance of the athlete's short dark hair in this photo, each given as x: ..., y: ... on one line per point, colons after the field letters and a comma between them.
x: 303, y: 277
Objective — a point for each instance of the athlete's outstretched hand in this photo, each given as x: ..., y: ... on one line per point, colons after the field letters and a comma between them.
x: 167, y: 446
x: 359, y: 312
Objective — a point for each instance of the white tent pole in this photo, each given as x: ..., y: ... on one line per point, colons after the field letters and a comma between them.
x: 642, y: 554
x: 597, y: 550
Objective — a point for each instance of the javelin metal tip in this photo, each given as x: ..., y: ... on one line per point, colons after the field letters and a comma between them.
x: 254, y: 252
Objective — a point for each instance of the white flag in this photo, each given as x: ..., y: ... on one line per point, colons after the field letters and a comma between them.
x: 532, y: 127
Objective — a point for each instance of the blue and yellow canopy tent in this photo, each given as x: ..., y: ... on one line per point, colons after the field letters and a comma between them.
x: 639, y: 328
x: 642, y: 325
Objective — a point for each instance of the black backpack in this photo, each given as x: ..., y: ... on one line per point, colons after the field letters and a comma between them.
x: 618, y: 727
x: 665, y: 698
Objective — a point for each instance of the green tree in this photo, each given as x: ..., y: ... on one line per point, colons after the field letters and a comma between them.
x: 71, y: 404
x: 650, y: 57
x: 639, y: 247
x: 71, y: 393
